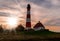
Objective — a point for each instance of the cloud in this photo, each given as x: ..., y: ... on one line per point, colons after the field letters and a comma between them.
x: 4, y: 14
x: 46, y: 11
x: 47, y: 3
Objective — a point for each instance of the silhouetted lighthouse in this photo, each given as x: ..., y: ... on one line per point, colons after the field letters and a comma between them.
x: 28, y: 18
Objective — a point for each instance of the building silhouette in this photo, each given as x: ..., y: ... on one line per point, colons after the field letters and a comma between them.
x: 39, y: 26
x: 28, y: 17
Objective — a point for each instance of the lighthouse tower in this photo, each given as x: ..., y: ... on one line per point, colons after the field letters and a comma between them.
x: 28, y: 18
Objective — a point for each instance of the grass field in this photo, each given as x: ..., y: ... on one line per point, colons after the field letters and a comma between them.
x: 29, y: 35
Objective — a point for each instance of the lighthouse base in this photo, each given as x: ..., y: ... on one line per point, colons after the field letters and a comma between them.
x: 28, y: 28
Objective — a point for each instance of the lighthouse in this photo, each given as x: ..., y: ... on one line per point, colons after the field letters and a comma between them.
x: 28, y: 17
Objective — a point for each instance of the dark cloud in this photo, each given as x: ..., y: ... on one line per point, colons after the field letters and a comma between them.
x: 42, y: 3
x: 4, y: 14
x: 47, y: 3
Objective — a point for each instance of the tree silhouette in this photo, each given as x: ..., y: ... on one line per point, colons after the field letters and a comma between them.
x: 1, y: 29
x: 20, y: 28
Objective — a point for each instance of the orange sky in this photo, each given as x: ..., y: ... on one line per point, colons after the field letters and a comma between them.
x: 46, y: 11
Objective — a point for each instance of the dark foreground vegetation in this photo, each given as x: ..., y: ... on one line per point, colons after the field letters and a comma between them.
x: 30, y: 36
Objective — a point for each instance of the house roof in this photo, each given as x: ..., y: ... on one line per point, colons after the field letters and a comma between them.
x: 39, y: 24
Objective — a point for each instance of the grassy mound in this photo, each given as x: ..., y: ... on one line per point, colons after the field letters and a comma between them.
x: 40, y: 32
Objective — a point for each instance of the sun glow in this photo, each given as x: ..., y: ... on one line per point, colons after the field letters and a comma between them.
x: 12, y: 22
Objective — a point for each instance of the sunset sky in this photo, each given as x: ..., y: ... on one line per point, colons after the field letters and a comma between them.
x: 45, y: 11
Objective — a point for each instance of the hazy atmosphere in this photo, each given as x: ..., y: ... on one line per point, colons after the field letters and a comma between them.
x: 45, y: 11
